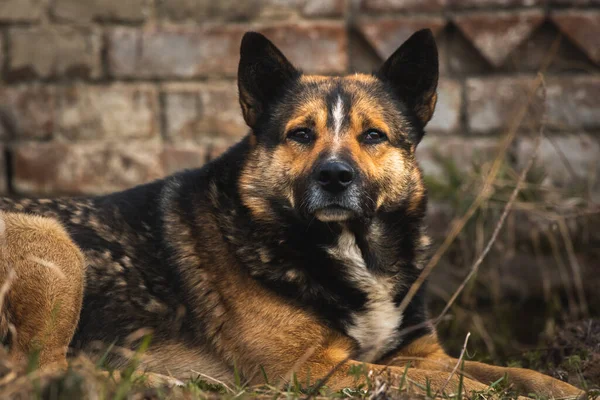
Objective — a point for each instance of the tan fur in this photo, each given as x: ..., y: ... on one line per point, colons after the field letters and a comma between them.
x: 249, y: 326
x: 427, y: 354
x: 261, y: 329
x: 388, y: 166
x: 44, y: 297
x: 257, y: 327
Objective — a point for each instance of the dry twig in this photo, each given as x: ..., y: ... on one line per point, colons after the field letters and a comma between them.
x: 564, y: 231
x: 505, y: 213
x: 458, y: 362
x: 484, y: 193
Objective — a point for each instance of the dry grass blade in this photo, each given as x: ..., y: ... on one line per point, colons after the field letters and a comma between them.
x: 563, y: 272
x: 10, y: 277
x: 307, y: 354
x: 458, y: 362
x: 564, y: 231
x: 500, y: 223
x: 484, y: 193
x: 405, y: 331
x: 324, y: 380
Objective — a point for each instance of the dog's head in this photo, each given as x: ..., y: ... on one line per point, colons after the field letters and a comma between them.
x: 335, y: 148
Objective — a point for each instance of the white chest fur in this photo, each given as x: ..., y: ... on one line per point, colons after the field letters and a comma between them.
x: 375, y: 327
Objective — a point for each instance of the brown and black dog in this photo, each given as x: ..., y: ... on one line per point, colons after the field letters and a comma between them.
x: 290, y: 252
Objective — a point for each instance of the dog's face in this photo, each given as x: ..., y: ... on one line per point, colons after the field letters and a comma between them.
x: 335, y: 148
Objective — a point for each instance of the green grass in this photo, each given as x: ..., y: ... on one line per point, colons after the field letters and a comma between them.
x: 87, y: 380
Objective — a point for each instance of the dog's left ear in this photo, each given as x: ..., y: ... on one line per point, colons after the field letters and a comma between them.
x: 413, y: 73
x: 263, y: 73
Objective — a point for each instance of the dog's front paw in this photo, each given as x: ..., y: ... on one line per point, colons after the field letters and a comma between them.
x: 534, y: 382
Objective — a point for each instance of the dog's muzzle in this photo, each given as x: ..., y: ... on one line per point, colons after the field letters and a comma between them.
x: 333, y: 194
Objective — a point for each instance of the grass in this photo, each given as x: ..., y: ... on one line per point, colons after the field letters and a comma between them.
x: 87, y: 380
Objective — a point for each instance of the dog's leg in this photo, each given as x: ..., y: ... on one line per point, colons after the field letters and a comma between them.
x: 527, y: 381
x: 43, y: 272
x: 428, y: 354
x: 414, y: 379
x: 328, y: 362
x: 331, y: 362
x: 259, y: 332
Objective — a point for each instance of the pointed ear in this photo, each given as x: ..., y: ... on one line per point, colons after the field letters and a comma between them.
x: 263, y: 73
x: 413, y: 73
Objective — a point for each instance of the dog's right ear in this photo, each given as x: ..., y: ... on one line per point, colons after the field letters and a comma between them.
x: 263, y: 73
x: 412, y: 72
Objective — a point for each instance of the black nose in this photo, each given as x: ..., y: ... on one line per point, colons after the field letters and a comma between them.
x: 335, y: 176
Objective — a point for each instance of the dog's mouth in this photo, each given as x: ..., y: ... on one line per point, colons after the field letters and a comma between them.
x: 333, y: 213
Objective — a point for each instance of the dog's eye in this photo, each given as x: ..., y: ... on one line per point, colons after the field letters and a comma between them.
x: 302, y: 135
x: 373, y: 136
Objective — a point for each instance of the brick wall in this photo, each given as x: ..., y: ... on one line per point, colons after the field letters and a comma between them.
x: 100, y: 95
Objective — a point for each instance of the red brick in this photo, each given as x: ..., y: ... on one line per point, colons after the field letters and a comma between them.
x: 541, y: 50
x: 28, y: 111
x: 101, y: 10
x: 79, y: 112
x: 174, y: 51
x: 496, y: 34
x: 567, y: 161
x: 364, y: 58
x: 435, y: 153
x: 583, y: 28
x: 54, y: 51
x: 324, y: 8
x: 315, y: 47
x: 201, y: 10
x: 200, y: 112
x: 462, y: 57
x: 457, y: 4
x: 117, y: 111
x: 178, y: 158
x: 387, y: 34
x: 573, y: 102
x: 192, y: 51
x: 21, y: 10
x: 90, y: 168
x: 233, y: 10
x: 573, y: 2
x: 383, y: 6
x: 494, y: 103
x: 446, y: 118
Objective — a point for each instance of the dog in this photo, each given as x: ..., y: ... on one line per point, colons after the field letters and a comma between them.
x: 291, y: 252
